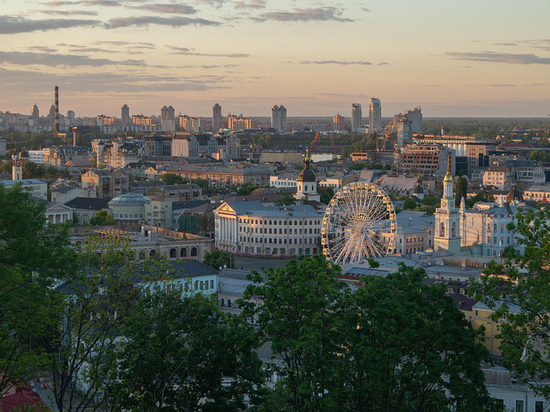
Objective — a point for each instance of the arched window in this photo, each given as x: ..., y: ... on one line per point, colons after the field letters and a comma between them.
x: 152, y: 253
x: 183, y: 252
x: 453, y: 229
x: 193, y: 252
x: 142, y: 255
x: 442, y: 229
x: 173, y: 253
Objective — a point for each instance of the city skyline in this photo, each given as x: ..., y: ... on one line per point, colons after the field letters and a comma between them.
x: 455, y: 60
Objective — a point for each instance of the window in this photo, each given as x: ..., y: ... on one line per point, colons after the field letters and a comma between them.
x: 212, y: 284
x: 228, y: 303
x: 539, y: 406
x: 519, y: 405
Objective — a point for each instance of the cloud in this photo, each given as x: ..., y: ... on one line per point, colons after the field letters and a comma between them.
x: 50, y: 59
x: 14, y: 25
x: 164, y: 21
x: 139, y: 44
x: 252, y: 4
x: 313, y: 14
x: 166, y: 8
x: 494, y: 57
x: 69, y: 12
x: 366, y: 10
x: 190, y: 52
x: 340, y: 62
x: 383, y: 63
x: 43, y: 49
x: 505, y: 44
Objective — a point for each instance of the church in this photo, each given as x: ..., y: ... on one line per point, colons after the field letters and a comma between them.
x: 480, y: 231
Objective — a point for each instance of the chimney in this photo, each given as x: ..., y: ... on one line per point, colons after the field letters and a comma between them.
x: 56, y: 119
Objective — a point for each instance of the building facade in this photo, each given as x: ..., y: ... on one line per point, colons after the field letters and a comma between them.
x: 217, y: 118
x: 375, y: 116
x: 252, y: 229
x: 278, y: 118
x: 339, y: 122
x: 356, y: 117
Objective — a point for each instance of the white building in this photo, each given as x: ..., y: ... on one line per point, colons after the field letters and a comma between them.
x: 537, y: 193
x: 250, y: 228
x: 375, y: 116
x: 447, y: 218
x: 36, y: 156
x: 356, y: 117
x: 505, y: 174
x: 480, y: 231
x: 307, y: 184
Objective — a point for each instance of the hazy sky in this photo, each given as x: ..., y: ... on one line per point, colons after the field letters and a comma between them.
x: 459, y: 58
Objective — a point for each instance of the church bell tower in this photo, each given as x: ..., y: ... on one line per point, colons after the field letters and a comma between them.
x: 447, y: 218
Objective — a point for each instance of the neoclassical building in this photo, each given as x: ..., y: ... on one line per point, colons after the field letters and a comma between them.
x: 480, y: 231
x: 252, y: 229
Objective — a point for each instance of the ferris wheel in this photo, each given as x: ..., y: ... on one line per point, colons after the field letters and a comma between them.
x: 359, y: 223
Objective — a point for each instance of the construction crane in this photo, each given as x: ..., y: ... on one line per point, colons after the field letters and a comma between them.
x: 314, y: 143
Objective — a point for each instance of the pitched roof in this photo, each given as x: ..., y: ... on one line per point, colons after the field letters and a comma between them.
x: 88, y: 203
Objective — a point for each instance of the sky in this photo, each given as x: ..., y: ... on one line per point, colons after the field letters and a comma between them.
x: 468, y: 58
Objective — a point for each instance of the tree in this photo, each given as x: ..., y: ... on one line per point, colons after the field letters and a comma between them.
x: 299, y: 313
x: 102, y: 218
x: 219, y: 259
x: 483, y: 196
x: 172, y: 179
x: 409, y: 204
x: 409, y: 347
x: 518, y: 290
x: 32, y: 257
x: 461, y: 190
x: 286, y: 200
x: 326, y: 195
x: 183, y: 354
x: 83, y: 324
x: 395, y: 343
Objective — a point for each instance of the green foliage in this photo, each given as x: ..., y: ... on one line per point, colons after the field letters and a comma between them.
x: 461, y: 189
x: 181, y: 352
x: 102, y: 218
x: 409, y: 204
x: 246, y: 189
x: 326, y: 195
x: 286, y: 200
x: 219, y: 258
x: 32, y: 257
x: 173, y: 179
x: 483, y: 196
x: 431, y: 201
x: 393, y: 344
x: 519, y: 291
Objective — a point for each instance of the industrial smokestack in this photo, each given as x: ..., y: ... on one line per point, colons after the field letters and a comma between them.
x: 56, y: 119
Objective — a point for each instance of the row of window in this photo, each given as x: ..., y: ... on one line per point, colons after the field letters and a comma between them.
x: 281, y: 222
x: 281, y: 231
x: 281, y: 241
x: 280, y: 251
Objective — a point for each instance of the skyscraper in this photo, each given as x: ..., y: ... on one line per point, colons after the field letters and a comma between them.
x: 217, y: 119
x: 167, y: 119
x: 356, y: 117
x: 375, y: 116
x: 278, y: 118
x: 35, y: 113
x: 125, y: 115
x: 339, y: 122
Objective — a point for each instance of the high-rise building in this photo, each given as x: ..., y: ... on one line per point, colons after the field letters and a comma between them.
x: 339, y: 122
x: 168, y: 119
x: 51, y: 116
x: 125, y: 115
x: 375, y: 116
x: 239, y: 123
x: 356, y: 117
x: 278, y: 118
x: 217, y: 119
x: 414, y: 116
x: 71, y: 118
x: 35, y: 113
